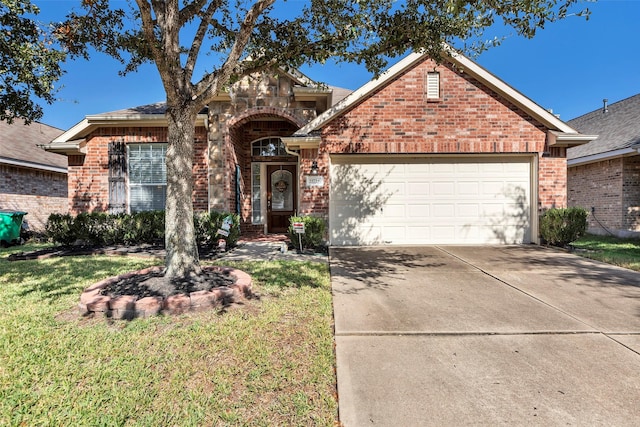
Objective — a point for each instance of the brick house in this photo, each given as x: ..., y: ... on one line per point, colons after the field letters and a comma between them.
x: 31, y: 179
x: 604, y: 175
x: 426, y: 153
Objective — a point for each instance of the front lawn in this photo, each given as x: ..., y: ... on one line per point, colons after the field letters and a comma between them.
x: 612, y: 250
x: 267, y: 362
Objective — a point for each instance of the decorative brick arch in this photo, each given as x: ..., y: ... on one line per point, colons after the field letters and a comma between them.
x: 259, y: 112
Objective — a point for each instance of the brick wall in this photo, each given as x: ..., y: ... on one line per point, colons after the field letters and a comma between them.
x: 631, y: 193
x: 39, y: 193
x: 598, y: 185
x: 89, y: 176
x: 552, y: 179
x: 468, y: 118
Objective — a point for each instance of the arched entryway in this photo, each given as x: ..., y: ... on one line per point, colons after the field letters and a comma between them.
x: 264, y: 190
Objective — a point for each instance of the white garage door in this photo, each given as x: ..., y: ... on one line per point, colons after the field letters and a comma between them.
x: 400, y: 201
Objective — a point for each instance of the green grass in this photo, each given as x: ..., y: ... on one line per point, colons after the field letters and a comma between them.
x: 612, y: 250
x: 267, y: 362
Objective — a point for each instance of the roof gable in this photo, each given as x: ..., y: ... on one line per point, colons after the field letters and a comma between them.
x: 550, y: 121
x: 618, y: 130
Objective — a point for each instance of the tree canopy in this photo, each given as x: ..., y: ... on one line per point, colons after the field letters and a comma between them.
x: 30, y: 63
x: 229, y: 39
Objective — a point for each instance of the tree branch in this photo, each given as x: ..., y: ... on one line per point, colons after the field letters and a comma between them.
x: 196, y: 45
x: 209, y: 85
x: 177, y: 85
x: 190, y: 11
x: 149, y: 34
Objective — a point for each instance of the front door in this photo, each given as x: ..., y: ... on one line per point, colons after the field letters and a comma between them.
x: 281, y: 197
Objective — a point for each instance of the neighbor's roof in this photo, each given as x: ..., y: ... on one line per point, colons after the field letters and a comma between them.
x: 618, y: 131
x: 20, y: 146
x: 561, y: 132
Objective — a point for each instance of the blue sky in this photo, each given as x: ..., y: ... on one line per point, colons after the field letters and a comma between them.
x: 569, y: 67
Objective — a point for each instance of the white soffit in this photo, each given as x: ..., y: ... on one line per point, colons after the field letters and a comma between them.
x: 90, y: 123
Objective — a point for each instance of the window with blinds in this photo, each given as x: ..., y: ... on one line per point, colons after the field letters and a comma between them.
x: 433, y: 85
x: 147, y: 176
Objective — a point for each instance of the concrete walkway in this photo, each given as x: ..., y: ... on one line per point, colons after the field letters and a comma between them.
x: 269, y: 251
x: 484, y: 336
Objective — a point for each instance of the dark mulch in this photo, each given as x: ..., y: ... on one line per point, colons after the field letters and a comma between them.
x: 205, y: 252
x: 155, y: 284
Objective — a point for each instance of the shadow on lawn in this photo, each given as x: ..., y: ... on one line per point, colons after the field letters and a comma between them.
x: 65, y: 276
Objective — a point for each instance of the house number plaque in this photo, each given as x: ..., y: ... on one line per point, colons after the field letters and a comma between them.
x: 315, y: 181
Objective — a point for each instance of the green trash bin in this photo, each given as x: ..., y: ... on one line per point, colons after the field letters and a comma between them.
x: 10, y: 225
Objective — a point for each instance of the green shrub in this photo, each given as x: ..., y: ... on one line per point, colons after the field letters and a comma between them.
x: 207, y: 225
x: 143, y: 227
x: 314, y: 229
x: 59, y: 229
x: 559, y: 227
x: 99, y: 228
x: 90, y: 228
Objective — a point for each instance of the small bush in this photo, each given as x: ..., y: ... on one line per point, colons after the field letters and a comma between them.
x: 559, y: 227
x: 143, y: 227
x: 207, y: 225
x: 314, y: 229
x: 59, y: 229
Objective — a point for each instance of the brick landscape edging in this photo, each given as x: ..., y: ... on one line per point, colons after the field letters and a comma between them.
x: 129, y: 306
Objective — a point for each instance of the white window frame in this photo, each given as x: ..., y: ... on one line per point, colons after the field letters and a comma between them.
x: 155, y: 180
x: 258, y: 216
x: 262, y: 145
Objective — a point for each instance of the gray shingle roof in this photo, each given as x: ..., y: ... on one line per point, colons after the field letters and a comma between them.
x: 618, y: 128
x: 19, y: 142
x: 157, y: 108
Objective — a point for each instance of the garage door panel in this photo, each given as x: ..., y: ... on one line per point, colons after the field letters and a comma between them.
x: 440, y: 210
x: 417, y: 211
x: 468, y: 168
x: 442, y: 168
x: 443, y: 188
x: 429, y: 201
x: 468, y: 188
x: 392, y: 213
x: 418, y: 188
x: 468, y: 210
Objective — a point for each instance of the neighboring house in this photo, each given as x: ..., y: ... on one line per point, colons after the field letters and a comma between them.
x: 604, y: 175
x: 427, y: 153
x: 31, y: 179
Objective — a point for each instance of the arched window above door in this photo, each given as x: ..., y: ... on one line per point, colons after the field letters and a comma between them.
x: 268, y: 147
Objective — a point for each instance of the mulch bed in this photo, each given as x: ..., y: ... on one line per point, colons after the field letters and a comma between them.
x: 154, y: 283
x: 205, y: 252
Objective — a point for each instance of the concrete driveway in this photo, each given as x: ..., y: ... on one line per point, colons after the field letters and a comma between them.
x: 458, y: 335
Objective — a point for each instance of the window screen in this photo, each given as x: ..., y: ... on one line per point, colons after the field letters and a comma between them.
x: 147, y: 177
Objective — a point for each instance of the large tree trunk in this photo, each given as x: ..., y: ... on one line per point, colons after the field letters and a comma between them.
x: 180, y: 238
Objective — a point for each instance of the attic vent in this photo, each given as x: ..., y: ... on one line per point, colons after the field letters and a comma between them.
x: 433, y: 85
